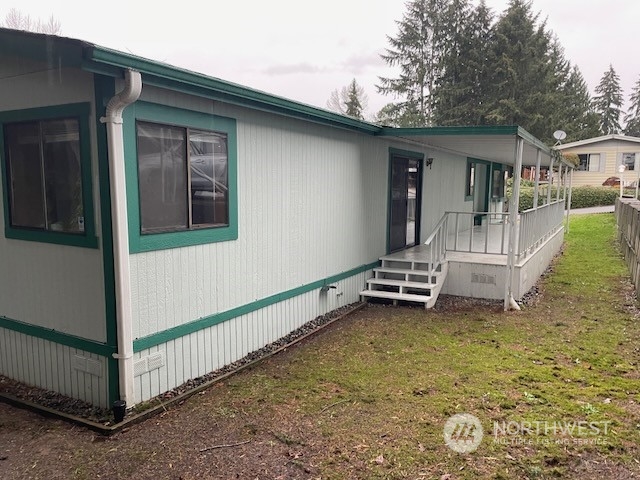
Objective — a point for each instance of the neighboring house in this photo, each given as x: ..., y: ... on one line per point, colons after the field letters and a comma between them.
x: 159, y: 224
x: 600, y: 158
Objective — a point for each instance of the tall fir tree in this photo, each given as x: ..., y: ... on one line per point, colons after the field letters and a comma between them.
x: 608, y: 102
x: 415, y: 50
x: 578, y: 119
x: 523, y: 80
x: 632, y: 119
x: 460, y: 95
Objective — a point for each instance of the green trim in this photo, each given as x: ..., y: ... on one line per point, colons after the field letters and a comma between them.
x: 104, y: 91
x: 437, y: 131
x: 55, y: 336
x: 206, y: 322
x: 82, y: 112
x: 167, y: 76
x: 186, y: 118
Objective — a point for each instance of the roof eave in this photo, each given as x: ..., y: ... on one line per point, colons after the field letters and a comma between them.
x: 97, y: 58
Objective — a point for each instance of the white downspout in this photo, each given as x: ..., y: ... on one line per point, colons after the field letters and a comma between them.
x: 115, y: 142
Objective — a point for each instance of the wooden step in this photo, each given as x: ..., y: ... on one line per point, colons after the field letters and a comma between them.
x: 406, y: 297
x: 404, y: 271
x: 399, y: 283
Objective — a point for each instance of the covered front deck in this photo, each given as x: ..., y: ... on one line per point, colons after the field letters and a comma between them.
x: 484, y: 254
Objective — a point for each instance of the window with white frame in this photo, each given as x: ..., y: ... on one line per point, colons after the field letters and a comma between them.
x: 589, y: 162
x: 183, y: 178
x: 44, y: 175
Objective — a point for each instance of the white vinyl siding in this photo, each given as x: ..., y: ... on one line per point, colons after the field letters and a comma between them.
x: 49, y: 365
x: 53, y: 286
x: 207, y: 350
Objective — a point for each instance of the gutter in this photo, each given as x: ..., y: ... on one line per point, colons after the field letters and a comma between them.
x: 115, y: 144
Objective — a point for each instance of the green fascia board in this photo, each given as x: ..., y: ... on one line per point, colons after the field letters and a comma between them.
x: 88, y: 238
x: 56, y: 336
x: 470, y: 130
x: 159, y: 338
x: 152, y: 112
x: 489, y: 130
x: 172, y: 77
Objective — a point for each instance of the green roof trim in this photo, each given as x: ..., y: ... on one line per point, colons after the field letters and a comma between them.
x: 165, y: 75
x: 460, y: 130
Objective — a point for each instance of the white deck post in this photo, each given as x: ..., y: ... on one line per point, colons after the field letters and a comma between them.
x: 513, y: 221
x: 569, y: 200
x: 536, y: 185
x: 550, y: 181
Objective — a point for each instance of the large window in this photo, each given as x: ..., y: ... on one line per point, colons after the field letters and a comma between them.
x: 183, y: 178
x: 589, y: 162
x: 182, y: 182
x: 45, y: 175
x: 47, y: 183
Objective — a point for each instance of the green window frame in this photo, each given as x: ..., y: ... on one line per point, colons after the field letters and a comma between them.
x: 80, y: 113
x: 152, y: 113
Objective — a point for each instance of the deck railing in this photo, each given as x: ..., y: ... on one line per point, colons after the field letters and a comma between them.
x: 478, y: 232
x: 538, y: 224
x: 488, y: 232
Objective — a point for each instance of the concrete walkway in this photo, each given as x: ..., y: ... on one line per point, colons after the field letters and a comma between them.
x: 582, y: 211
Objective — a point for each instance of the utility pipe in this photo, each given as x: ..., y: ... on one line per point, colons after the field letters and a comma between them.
x: 115, y: 143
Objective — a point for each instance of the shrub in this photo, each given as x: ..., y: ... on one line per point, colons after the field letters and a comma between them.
x: 581, y: 197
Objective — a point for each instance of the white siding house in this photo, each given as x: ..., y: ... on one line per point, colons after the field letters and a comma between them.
x: 152, y: 236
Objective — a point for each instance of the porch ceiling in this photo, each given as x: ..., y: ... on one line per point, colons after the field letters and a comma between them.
x: 494, y: 144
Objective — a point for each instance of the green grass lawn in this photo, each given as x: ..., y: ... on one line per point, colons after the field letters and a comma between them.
x: 368, y: 397
x: 376, y: 391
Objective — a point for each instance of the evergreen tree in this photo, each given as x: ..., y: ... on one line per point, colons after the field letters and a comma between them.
x: 350, y: 100
x: 524, y: 82
x: 415, y: 51
x: 578, y: 118
x: 632, y: 119
x: 608, y: 102
x: 461, y: 92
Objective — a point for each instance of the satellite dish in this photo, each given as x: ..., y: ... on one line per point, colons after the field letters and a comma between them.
x: 559, y: 135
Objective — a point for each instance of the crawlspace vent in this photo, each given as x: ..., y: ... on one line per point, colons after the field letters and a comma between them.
x: 148, y: 363
x: 483, y: 278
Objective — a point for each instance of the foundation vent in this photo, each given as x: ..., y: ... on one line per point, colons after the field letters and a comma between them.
x: 483, y: 278
x: 148, y: 364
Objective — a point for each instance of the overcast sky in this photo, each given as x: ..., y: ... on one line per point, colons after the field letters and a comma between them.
x: 304, y: 50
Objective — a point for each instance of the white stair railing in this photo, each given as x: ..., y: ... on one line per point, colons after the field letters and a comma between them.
x: 436, y: 244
